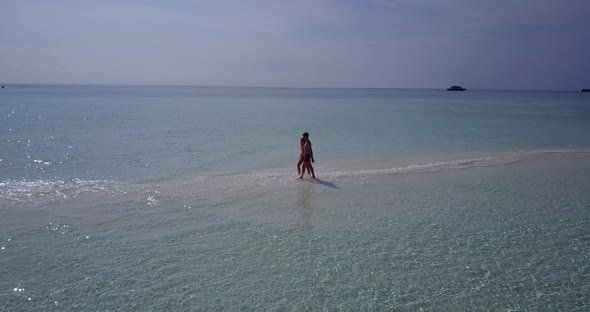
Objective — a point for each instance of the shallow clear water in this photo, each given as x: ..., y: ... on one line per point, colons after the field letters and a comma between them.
x: 186, y: 199
x: 137, y: 133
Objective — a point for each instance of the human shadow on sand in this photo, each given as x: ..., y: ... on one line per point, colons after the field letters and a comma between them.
x: 324, y: 183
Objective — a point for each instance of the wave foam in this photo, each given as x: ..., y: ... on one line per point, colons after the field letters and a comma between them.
x: 41, y: 191
x: 431, y: 167
x: 232, y: 185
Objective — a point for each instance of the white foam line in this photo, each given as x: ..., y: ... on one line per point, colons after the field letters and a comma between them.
x: 31, y: 191
x: 43, y: 190
x: 464, y: 163
x: 564, y: 151
x: 433, y: 167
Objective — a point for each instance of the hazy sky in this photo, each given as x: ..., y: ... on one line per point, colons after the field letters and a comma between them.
x: 515, y: 44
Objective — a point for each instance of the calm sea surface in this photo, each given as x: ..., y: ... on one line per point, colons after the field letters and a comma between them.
x: 186, y: 198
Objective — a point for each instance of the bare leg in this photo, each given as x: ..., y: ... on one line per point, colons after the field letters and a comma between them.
x: 309, y: 166
x: 299, y: 165
x: 305, y: 166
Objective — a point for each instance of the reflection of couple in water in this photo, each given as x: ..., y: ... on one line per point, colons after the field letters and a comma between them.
x: 306, y: 157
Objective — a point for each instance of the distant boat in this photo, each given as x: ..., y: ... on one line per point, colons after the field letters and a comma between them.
x: 585, y: 90
x: 456, y: 88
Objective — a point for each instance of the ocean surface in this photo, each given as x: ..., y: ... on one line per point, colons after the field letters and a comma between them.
x: 160, y: 198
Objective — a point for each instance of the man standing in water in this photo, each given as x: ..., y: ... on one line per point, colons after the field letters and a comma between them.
x: 301, y: 158
x: 307, y: 156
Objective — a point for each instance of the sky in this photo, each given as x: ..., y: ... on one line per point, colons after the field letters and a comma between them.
x: 485, y: 44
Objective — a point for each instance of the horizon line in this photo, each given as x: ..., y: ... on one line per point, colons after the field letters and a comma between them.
x: 276, y: 87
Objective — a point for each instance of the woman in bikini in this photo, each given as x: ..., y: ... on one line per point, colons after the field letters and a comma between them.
x: 301, y: 157
x: 307, y: 153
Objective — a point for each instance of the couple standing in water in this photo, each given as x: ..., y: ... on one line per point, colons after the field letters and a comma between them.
x: 306, y: 157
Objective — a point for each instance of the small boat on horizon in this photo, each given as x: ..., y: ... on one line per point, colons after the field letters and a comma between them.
x: 456, y: 88
x: 584, y: 90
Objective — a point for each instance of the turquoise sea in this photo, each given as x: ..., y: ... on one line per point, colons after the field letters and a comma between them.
x: 161, y: 198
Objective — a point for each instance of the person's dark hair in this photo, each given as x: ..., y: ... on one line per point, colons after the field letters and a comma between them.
x: 306, y: 134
